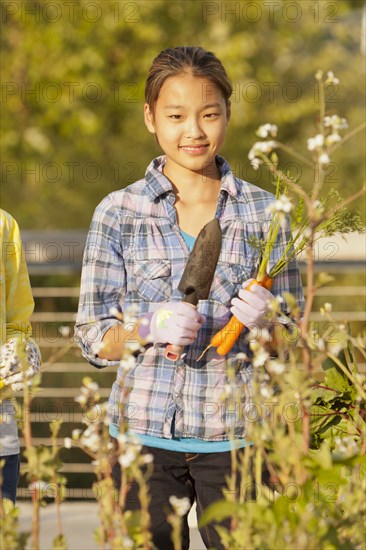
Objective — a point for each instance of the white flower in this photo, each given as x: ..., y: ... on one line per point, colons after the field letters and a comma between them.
x: 282, y: 204
x: 260, y: 147
x: 334, y: 347
x: 181, y: 506
x: 335, y: 122
x: 319, y: 74
x: 346, y: 446
x: 81, y: 399
x: 266, y: 392
x: 264, y: 146
x: 96, y: 347
x: 276, y: 367
x: 331, y: 79
x: 39, y: 486
x: 36, y: 139
x: 315, y: 142
x: 319, y: 207
x: 64, y: 331
x: 115, y: 312
x: 132, y: 346
x: 332, y: 138
x: 327, y: 307
x: 260, y: 358
x: 324, y: 158
x: 266, y: 129
x: 127, y: 542
x: 122, y: 438
x: 75, y: 434
x: 94, y: 414
x: 90, y: 439
x: 256, y: 163
x: 67, y: 443
x: 90, y: 384
x: 127, y: 362
x: 320, y: 344
x: 148, y: 458
x: 265, y: 335
x: 254, y: 345
x: 129, y: 456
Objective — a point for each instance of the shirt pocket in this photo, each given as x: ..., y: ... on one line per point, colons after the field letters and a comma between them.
x: 153, y: 280
x: 229, y: 278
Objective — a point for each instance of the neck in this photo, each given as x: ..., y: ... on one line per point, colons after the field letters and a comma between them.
x: 191, y: 186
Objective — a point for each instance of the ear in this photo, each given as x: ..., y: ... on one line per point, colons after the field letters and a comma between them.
x: 149, y: 118
x: 228, y: 111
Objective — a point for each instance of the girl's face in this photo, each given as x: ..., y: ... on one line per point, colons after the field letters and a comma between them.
x: 190, y: 120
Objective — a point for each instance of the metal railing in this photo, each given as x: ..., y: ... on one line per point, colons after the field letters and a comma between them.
x: 56, y: 400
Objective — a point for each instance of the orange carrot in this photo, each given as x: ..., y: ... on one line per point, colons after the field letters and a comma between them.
x: 227, y: 336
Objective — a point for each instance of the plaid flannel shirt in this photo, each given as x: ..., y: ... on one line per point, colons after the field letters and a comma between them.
x: 134, y: 258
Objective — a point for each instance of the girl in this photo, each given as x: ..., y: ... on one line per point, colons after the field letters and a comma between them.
x: 137, y: 247
x: 16, y: 308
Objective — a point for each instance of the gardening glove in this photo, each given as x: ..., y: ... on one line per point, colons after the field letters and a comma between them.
x: 174, y: 323
x: 252, y: 306
x: 16, y: 369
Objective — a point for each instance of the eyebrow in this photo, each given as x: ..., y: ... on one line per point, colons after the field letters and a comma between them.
x: 211, y: 106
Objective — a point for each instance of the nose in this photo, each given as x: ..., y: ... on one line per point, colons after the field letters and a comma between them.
x: 193, y: 129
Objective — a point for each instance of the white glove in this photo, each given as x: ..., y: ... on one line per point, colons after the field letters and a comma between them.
x: 176, y: 323
x: 252, y: 306
x: 13, y: 371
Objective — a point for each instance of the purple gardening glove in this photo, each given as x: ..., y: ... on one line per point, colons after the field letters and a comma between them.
x: 175, y: 323
x: 252, y: 305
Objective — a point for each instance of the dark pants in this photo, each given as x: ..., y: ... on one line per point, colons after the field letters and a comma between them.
x: 199, y: 477
x: 10, y: 475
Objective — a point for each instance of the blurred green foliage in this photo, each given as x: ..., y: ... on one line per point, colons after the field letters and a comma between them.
x: 73, y: 78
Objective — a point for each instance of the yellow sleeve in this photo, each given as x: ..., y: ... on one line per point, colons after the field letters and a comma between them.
x: 18, y: 294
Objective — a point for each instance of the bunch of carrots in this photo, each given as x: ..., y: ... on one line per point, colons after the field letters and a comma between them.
x: 341, y: 220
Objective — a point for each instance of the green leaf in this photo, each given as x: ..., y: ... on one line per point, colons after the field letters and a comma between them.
x: 59, y: 543
x: 323, y: 279
x: 334, y: 377
x: 322, y: 456
x: 219, y: 511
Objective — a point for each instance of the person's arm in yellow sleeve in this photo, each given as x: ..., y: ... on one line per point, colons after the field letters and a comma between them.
x: 19, y: 304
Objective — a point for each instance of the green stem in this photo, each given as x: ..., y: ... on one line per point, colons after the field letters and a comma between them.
x: 57, y: 487
x: 294, y: 186
x: 348, y: 136
x: 294, y: 154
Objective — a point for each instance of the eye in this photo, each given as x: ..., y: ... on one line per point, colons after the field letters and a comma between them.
x: 175, y: 117
x: 211, y: 115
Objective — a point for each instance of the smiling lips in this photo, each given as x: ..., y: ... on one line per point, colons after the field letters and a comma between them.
x: 194, y: 149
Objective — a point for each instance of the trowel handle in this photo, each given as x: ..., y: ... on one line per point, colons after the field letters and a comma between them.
x: 172, y: 352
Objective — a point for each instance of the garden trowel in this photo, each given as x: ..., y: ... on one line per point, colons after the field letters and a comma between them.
x: 198, y: 274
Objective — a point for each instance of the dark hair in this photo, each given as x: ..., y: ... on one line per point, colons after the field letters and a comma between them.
x: 185, y: 59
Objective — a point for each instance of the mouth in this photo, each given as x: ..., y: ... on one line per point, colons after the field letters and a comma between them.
x: 194, y: 149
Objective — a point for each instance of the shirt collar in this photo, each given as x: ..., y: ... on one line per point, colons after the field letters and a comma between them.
x: 158, y: 184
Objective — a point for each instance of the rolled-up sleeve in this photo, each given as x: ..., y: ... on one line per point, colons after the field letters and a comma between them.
x: 103, y: 281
